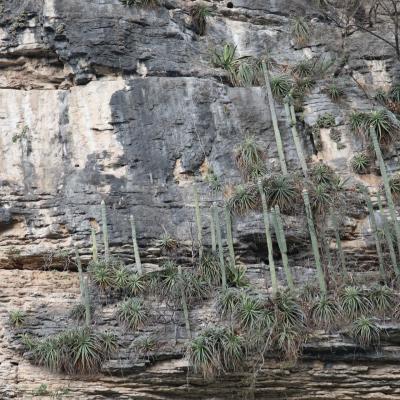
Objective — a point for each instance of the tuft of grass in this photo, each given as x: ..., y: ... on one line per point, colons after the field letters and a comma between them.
x: 132, y: 313
x: 281, y: 86
x: 321, y: 198
x: 249, y: 158
x: 167, y: 242
x: 394, y: 184
x: 385, y: 124
x: 334, y: 91
x: 145, y: 345
x: 16, y: 318
x: 199, y: 13
x: 102, y: 274
x: 249, y: 312
x: 236, y: 276
x: 282, y: 190
x: 325, y: 312
x: 365, y: 331
x: 78, y: 312
x: 214, y: 182
x: 354, y: 302
x: 288, y: 311
x: 300, y: 30
x: 361, y: 163
x: 382, y: 300
x: 137, y: 284
x: 216, y: 351
x: 209, y: 269
x: 381, y: 96
x: 76, y: 351
x: 227, y: 302
x: 303, y: 69
x: 121, y: 277
x: 243, y: 199
x: 322, y: 174
x: 358, y: 121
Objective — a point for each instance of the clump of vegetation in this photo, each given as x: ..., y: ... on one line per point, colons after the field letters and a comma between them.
x: 249, y: 158
x: 281, y: 86
x: 326, y: 121
x: 140, y: 3
x: 199, y: 13
x: 76, y: 351
x: 300, y: 30
x: 361, y: 163
x: 167, y: 242
x: 78, y: 312
x: 325, y: 312
x: 132, y: 313
x: 243, y: 199
x: 394, y: 184
x: 216, y: 350
x: 354, y: 302
x: 17, y: 318
x: 358, y: 121
x: 365, y: 331
x: 395, y: 93
x: 334, y: 91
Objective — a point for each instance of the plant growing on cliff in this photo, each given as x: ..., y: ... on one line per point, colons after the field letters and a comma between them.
x: 385, y: 124
x: 226, y: 59
x: 361, y: 163
x: 140, y: 3
x: 394, y: 185
x: 382, y: 300
x: 280, y: 86
x: 101, y: 274
x: 325, y: 121
x: 16, y: 318
x: 325, y: 312
x: 167, y: 242
x: 354, y: 302
x: 209, y: 269
x: 243, y: 199
x: 358, y: 121
x: 76, y: 351
x: 249, y: 158
x: 365, y: 331
x: 300, y: 30
x: 132, y: 313
x: 199, y: 13
x: 334, y: 91
x: 281, y: 190
x: 78, y: 312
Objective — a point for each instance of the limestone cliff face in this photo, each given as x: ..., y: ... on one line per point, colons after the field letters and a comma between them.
x: 101, y: 101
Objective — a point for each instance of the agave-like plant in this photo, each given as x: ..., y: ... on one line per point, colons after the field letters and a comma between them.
x: 381, y: 96
x: 243, y: 199
x: 334, y: 91
x: 300, y: 30
x: 283, y: 191
x: 365, y: 331
x: 199, y: 13
x: 226, y: 59
x: 78, y: 311
x: 121, y: 277
x: 288, y: 311
x: 236, y: 276
x: 358, y: 121
x: 102, y: 274
x: 385, y: 124
x: 395, y: 93
x: 144, y: 345
x: 132, y: 313
x: 17, y: 318
x: 382, y: 299
x: 249, y: 158
x: 303, y: 69
x: 167, y: 242
x: 361, y: 163
x: 322, y: 174
x: 321, y: 198
x: 213, y: 181
x: 246, y: 73
x: 394, y: 185
x: 325, y: 312
x: 209, y: 269
x: 354, y: 302
x: 137, y: 284
x: 249, y: 312
x: 281, y: 86
x: 227, y: 302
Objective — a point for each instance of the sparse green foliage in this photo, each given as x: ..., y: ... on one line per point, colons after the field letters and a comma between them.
x: 209, y: 269
x: 385, y: 124
x: 395, y: 93
x: 303, y: 69
x: 361, y: 163
x: 321, y: 198
x: 365, y: 331
x: 42, y: 390
x: 199, y: 13
x: 78, y: 312
x: 300, y: 30
x: 394, y: 184
x: 382, y: 299
x: 227, y: 301
x: 326, y: 120
x: 101, y: 274
x: 334, y: 91
x: 358, y: 121
x: 213, y: 181
x: 132, y: 313
x: 236, y: 276
x: 16, y: 318
x: 243, y: 199
x: 167, y: 242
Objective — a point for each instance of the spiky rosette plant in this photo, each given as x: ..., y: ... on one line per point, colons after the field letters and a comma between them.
x: 132, y: 313
x: 361, y: 163
x: 321, y: 198
x: 249, y: 312
x: 325, y: 312
x: 386, y: 126
x: 209, y: 269
x: 334, y: 91
x: 16, y: 318
x: 227, y: 301
x: 288, y: 311
x: 394, y: 185
x: 300, y: 30
x: 382, y: 299
x: 216, y: 351
x: 303, y: 69
x: 395, y: 93
x: 281, y: 86
x: 199, y: 14
x: 283, y: 191
x: 101, y: 273
x: 243, y: 199
x: 365, y: 331
x: 249, y: 158
x: 354, y: 302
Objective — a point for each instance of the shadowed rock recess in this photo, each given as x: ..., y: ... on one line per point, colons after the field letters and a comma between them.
x: 101, y: 100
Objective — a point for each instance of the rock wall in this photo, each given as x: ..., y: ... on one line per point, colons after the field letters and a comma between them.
x: 101, y: 101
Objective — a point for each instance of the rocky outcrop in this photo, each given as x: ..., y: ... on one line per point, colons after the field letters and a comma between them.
x: 101, y: 101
